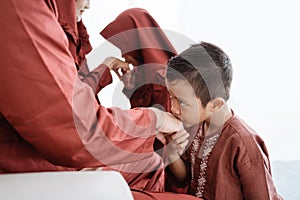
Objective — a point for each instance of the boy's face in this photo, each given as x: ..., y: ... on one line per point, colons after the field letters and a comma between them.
x: 184, y: 103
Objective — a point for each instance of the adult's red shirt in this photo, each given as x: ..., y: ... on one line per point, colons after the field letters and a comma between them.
x: 48, y: 117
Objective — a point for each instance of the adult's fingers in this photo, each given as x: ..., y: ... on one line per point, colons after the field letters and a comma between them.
x: 170, y: 124
x: 117, y: 73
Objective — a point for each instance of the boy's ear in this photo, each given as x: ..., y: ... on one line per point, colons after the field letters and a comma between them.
x: 216, y: 103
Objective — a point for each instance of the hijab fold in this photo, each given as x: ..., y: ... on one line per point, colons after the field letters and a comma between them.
x: 76, y: 32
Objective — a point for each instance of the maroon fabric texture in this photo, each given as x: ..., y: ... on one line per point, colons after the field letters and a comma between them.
x: 135, y: 32
x: 76, y: 32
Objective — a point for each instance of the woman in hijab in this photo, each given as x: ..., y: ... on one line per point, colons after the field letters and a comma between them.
x: 38, y: 131
x: 79, y: 45
x: 150, y: 177
x: 144, y: 45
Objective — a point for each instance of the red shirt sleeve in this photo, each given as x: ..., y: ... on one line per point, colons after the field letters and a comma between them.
x: 97, y: 79
x: 43, y: 99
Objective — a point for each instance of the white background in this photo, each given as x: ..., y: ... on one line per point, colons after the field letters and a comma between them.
x: 262, y: 39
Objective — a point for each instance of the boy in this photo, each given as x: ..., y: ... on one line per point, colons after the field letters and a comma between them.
x: 226, y: 159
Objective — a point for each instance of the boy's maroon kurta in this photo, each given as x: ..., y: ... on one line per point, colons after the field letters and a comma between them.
x: 233, y: 164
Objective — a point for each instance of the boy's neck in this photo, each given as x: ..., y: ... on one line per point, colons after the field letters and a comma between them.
x: 217, y: 120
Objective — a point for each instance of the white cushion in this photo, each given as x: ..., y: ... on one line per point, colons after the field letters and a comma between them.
x: 87, y: 185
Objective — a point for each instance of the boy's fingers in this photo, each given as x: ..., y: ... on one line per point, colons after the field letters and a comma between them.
x: 182, y: 147
x: 181, y: 136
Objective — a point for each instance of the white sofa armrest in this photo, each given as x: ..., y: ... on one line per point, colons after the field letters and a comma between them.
x: 88, y: 185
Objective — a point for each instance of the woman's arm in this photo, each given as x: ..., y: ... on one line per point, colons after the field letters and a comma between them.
x: 51, y: 108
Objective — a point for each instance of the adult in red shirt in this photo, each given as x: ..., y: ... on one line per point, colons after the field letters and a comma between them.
x: 49, y: 119
x: 70, y: 18
x: 146, y: 177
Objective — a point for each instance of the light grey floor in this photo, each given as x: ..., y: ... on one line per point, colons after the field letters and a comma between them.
x: 286, y: 175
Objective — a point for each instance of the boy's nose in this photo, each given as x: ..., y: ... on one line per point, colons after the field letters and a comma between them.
x: 175, y: 109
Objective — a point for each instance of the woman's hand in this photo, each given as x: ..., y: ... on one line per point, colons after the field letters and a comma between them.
x: 118, y: 66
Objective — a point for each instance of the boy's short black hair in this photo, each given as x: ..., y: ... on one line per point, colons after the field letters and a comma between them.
x: 207, y: 69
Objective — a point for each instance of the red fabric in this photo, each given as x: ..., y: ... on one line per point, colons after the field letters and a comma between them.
x: 17, y: 155
x: 49, y: 118
x: 67, y: 20
x: 238, y: 166
x: 79, y: 46
x: 78, y: 37
x: 86, y: 46
x: 145, y: 195
x: 97, y: 79
x: 150, y: 180
x: 135, y: 32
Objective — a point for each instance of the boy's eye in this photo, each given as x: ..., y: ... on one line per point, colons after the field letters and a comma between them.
x: 181, y: 103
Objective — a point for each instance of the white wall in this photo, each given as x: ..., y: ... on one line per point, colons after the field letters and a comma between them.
x: 262, y: 39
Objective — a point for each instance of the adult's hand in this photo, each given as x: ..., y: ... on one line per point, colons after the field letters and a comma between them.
x: 116, y: 65
x: 166, y: 122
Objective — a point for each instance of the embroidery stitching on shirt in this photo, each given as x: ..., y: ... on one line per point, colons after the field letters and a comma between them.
x: 206, y: 145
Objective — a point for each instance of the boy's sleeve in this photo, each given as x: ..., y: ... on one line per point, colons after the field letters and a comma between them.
x: 256, y: 179
x: 172, y: 185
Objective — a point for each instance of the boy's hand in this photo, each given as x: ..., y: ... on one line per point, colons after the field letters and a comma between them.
x: 176, y: 143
